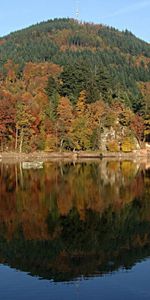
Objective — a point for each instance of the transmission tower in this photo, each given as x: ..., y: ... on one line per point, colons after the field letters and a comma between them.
x: 77, y: 10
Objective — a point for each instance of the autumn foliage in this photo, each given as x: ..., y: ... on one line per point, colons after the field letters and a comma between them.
x: 35, y: 116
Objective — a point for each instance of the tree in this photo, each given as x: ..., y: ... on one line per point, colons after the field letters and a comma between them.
x: 7, y: 119
x: 81, y: 106
x: 64, y: 120
x: 80, y: 131
x: 24, y: 125
x: 74, y: 77
x: 137, y: 127
x: 147, y: 128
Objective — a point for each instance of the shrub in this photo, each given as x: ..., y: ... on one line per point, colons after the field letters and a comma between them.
x: 113, y: 146
x: 50, y: 143
x: 128, y: 144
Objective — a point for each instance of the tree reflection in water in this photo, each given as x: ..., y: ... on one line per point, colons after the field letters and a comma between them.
x: 68, y: 220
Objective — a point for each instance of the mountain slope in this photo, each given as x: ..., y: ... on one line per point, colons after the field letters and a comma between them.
x: 65, y: 85
x: 67, y: 42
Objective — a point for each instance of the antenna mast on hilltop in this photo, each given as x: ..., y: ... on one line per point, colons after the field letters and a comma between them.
x: 77, y: 10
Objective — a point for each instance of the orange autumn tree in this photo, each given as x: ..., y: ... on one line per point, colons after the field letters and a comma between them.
x: 35, y: 75
x: 7, y: 121
x: 137, y: 127
x: 11, y: 70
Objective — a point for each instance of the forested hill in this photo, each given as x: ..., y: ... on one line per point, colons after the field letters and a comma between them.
x: 62, y: 83
x: 67, y: 42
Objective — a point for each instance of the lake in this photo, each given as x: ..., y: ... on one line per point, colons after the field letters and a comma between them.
x: 75, y: 230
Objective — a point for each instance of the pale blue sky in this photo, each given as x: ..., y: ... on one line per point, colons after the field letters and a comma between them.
x: 133, y: 15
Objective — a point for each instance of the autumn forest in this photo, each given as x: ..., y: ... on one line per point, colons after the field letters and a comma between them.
x: 66, y: 85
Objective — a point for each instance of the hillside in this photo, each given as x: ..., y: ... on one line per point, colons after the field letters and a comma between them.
x: 62, y: 69
x: 66, y: 42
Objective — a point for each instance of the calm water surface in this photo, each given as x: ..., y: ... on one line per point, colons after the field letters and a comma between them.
x: 75, y: 231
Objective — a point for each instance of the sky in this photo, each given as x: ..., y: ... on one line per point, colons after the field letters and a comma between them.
x: 133, y: 15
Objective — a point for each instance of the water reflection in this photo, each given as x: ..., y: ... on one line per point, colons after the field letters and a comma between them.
x: 68, y: 220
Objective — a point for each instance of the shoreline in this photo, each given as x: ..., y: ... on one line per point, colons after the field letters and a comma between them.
x: 137, y: 154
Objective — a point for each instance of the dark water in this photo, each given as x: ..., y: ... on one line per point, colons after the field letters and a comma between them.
x: 75, y: 231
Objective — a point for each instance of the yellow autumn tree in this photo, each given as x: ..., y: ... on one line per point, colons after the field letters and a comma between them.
x: 80, y: 130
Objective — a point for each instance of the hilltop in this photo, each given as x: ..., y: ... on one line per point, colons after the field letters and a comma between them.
x: 67, y: 42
